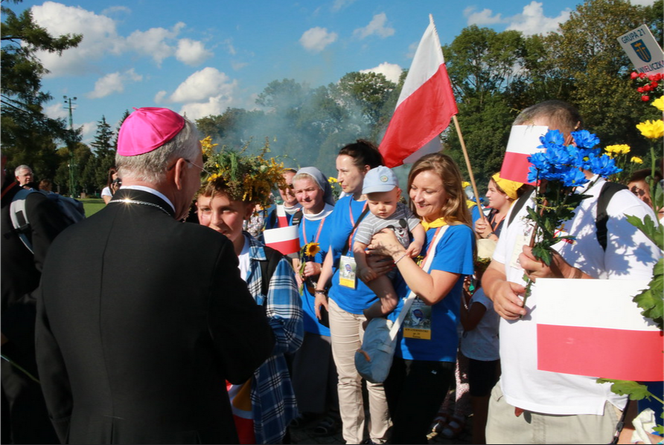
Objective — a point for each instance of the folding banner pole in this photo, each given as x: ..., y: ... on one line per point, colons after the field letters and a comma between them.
x: 470, y: 169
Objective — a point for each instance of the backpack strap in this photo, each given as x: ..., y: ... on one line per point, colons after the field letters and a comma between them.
x: 297, y: 218
x: 19, y: 217
x: 608, y: 190
x: 268, y: 267
x: 519, y: 203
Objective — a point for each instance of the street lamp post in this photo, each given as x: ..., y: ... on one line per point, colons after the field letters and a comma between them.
x: 72, y: 166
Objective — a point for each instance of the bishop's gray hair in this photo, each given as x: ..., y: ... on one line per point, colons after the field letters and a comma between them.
x: 151, y: 167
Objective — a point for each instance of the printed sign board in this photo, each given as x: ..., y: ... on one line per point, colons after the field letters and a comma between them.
x: 643, y: 50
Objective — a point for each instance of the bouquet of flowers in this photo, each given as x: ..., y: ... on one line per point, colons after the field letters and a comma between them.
x: 307, y: 253
x: 558, y: 171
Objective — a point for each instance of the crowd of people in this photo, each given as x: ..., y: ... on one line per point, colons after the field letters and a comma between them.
x: 143, y: 329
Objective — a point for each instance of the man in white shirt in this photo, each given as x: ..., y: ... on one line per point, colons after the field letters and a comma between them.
x: 532, y: 406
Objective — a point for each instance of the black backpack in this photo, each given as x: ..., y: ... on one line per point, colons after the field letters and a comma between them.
x: 268, y: 267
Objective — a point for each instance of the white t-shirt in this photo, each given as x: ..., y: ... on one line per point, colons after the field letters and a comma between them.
x: 106, y: 191
x: 554, y: 393
x: 481, y: 343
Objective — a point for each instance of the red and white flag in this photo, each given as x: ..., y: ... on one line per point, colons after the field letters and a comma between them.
x: 593, y: 328
x: 284, y: 239
x: 426, y: 103
x: 282, y: 220
x: 523, y: 142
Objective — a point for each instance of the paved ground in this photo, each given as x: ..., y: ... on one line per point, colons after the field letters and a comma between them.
x: 306, y: 435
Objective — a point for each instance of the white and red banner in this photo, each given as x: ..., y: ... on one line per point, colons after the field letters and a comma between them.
x: 425, y: 106
x: 523, y: 142
x: 284, y: 239
x: 282, y: 221
x: 593, y: 328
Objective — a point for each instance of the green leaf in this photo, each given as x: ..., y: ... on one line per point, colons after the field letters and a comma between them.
x: 634, y: 390
x: 654, y: 231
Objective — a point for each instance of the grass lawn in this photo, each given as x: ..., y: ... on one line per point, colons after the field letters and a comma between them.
x: 92, y: 205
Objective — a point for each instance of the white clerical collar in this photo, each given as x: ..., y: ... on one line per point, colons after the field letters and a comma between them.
x: 322, y: 214
x: 294, y: 209
x: 149, y: 190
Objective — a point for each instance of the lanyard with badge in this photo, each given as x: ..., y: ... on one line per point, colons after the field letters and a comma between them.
x: 416, y: 315
x: 347, y: 264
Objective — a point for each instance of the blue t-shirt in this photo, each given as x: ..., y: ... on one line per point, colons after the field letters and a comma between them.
x: 310, y: 228
x: 454, y: 254
x: 345, y: 215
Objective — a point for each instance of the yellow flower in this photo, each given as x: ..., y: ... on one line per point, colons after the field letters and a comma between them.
x: 636, y: 160
x: 465, y: 184
x: 658, y: 103
x: 312, y: 249
x: 615, y: 150
x: 651, y: 129
x: 332, y: 180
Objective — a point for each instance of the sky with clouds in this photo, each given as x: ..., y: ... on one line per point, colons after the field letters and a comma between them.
x: 199, y: 58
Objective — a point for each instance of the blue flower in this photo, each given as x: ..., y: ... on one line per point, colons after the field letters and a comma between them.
x: 604, y: 166
x: 585, y: 139
x: 552, y: 138
x: 573, y: 178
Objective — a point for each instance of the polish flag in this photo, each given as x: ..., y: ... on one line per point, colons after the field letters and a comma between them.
x: 426, y: 103
x: 284, y: 239
x: 281, y: 216
x: 593, y: 328
x: 524, y: 141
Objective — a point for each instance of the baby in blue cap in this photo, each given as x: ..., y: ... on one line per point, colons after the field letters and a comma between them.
x: 385, y: 211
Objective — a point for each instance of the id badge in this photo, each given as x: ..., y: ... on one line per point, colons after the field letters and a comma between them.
x: 521, y: 241
x: 348, y: 272
x: 417, y: 323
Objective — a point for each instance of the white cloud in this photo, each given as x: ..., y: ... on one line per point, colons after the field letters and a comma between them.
x: 481, y: 18
x: 116, y: 9
x: 206, y: 92
x: 113, y: 83
x: 229, y: 46
x: 153, y: 42
x: 316, y: 39
x: 56, y: 111
x: 100, y: 37
x: 376, y: 26
x: 391, y: 71
x: 202, y: 85
x: 237, y: 66
x: 88, y: 131
x: 341, y: 4
x: 160, y: 97
x: 533, y: 20
x: 192, y: 52
x: 642, y: 2
x: 214, y: 106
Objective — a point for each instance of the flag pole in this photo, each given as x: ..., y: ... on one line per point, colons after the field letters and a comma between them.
x: 470, y: 170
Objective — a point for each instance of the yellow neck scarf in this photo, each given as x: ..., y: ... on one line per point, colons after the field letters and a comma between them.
x: 440, y: 222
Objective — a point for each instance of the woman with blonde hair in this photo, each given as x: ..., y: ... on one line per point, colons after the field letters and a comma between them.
x: 424, y: 361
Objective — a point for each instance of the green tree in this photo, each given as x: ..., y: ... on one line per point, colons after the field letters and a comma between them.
x: 587, y: 51
x: 484, y: 67
x: 27, y: 134
x: 104, y: 154
x: 364, y: 96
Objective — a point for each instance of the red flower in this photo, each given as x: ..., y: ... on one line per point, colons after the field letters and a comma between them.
x: 654, y: 85
x: 640, y: 89
x: 634, y: 75
x: 645, y: 98
x: 642, y: 75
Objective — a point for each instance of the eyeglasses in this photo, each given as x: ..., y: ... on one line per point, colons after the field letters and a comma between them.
x: 204, y: 172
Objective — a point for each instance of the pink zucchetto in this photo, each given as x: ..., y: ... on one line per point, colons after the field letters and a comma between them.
x: 146, y: 129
